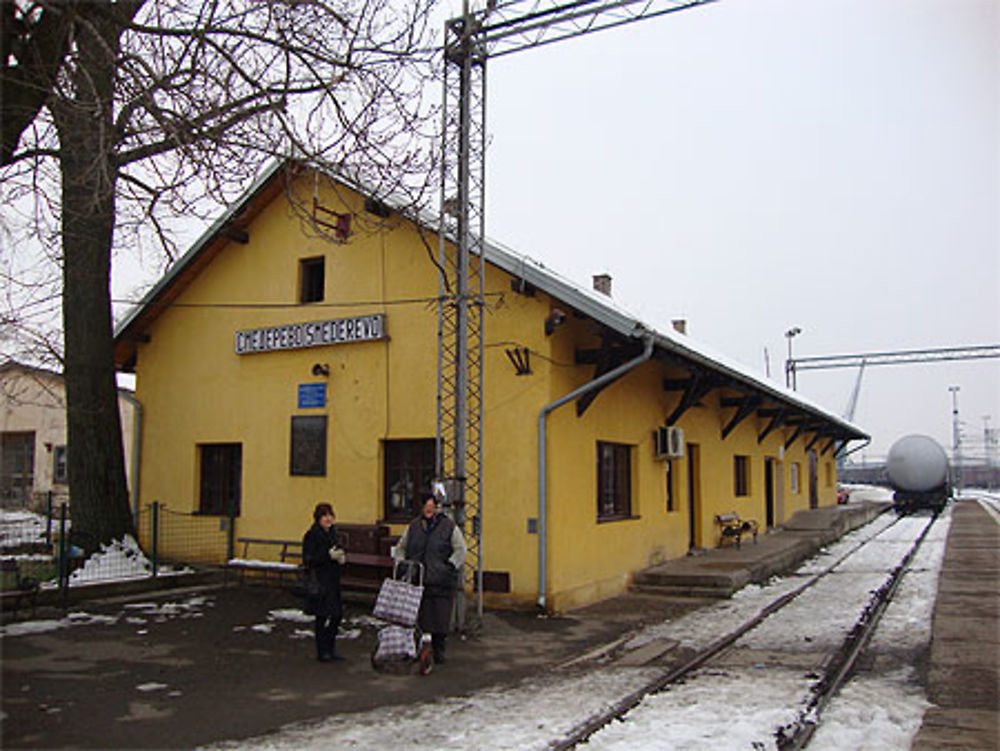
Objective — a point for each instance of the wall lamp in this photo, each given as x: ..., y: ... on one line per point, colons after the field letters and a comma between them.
x: 321, y: 369
x: 554, y: 319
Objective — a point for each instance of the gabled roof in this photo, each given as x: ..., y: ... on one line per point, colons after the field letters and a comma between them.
x: 669, y: 344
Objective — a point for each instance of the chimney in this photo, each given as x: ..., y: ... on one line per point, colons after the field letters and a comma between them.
x: 680, y: 325
x: 602, y: 283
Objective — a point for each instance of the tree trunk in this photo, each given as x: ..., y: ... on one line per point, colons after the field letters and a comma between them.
x: 98, y: 491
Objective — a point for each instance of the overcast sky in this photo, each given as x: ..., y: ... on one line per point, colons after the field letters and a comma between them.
x: 753, y: 165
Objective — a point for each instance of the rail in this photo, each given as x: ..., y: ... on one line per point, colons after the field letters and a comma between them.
x: 834, y: 671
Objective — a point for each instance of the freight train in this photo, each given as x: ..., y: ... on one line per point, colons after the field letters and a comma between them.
x: 917, y: 468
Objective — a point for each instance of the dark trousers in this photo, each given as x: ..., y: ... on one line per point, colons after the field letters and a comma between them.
x: 326, y: 628
x: 437, y: 643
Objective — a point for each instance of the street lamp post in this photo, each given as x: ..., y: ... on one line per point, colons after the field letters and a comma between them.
x: 956, y: 437
x: 791, y: 380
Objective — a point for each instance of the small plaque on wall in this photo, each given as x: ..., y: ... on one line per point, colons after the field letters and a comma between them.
x: 312, y: 395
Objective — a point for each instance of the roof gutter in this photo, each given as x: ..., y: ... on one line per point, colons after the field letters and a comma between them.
x: 542, y: 476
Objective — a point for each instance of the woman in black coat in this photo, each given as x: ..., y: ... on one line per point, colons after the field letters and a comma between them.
x: 322, y: 554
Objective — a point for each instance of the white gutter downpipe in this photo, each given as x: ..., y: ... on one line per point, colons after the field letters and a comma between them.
x: 542, y: 476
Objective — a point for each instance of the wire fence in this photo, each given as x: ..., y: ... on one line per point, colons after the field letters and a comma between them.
x: 41, y: 551
x: 182, y: 538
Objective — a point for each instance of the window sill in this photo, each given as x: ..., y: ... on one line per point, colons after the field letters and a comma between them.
x: 606, y: 519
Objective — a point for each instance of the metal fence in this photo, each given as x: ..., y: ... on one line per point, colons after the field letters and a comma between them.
x: 40, y: 549
x: 183, y: 538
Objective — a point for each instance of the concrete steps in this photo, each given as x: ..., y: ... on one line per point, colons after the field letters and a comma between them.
x: 721, y: 572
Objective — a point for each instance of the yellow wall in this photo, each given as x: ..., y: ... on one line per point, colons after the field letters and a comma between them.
x: 195, y: 389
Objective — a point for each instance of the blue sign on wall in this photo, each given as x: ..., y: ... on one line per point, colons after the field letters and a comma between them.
x: 312, y: 395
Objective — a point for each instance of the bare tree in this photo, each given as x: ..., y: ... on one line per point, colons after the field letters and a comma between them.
x: 121, y: 116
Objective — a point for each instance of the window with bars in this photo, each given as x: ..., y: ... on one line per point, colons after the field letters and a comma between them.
x: 220, y: 482
x: 741, y: 476
x: 614, y: 481
x: 408, y: 474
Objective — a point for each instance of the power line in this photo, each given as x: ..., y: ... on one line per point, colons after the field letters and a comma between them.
x: 279, y: 305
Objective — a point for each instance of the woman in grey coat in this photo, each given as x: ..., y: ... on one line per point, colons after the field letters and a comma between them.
x: 435, y: 541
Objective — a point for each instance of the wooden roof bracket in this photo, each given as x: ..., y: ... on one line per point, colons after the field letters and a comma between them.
x: 608, y: 357
x: 747, y: 406
x: 776, y: 420
x: 696, y: 388
x: 796, y: 434
x: 819, y: 434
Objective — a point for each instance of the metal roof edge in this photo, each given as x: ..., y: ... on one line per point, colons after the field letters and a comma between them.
x: 611, y: 314
x: 206, y: 237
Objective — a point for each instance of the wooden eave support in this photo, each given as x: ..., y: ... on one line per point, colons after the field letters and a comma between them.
x: 828, y: 446
x: 695, y: 389
x: 795, y: 435
x: 236, y: 234
x: 812, y: 443
x: 745, y: 407
x: 777, y: 416
x: 605, y: 359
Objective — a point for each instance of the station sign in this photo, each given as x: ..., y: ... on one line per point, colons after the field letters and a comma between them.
x: 311, y: 334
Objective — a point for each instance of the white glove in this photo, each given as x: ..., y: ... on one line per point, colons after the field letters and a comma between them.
x: 338, y: 555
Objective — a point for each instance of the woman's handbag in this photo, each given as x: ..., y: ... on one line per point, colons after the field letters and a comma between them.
x: 307, y: 585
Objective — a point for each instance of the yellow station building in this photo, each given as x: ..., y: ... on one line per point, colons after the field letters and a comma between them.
x: 276, y: 367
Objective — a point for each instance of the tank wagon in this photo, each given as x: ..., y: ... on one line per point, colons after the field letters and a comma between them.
x: 917, y: 468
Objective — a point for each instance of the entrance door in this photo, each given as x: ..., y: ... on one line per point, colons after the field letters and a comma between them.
x: 694, y: 496
x: 769, y: 491
x: 779, y: 495
x: 813, y: 481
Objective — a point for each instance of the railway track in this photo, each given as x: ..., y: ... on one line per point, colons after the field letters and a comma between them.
x: 836, y: 665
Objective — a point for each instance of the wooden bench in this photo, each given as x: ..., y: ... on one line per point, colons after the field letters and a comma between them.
x: 733, y: 528
x: 288, y: 548
x: 362, y: 571
x: 26, y: 587
x: 266, y: 569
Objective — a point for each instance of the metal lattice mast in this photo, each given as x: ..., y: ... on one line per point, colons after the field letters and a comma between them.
x: 501, y: 28
x: 460, y: 309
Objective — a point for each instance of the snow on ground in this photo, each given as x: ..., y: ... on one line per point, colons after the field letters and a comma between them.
x: 21, y: 528
x: 700, y: 628
x: 122, y: 560
x: 724, y: 709
x: 880, y: 711
x: 885, y: 711
x: 534, y: 712
x: 742, y: 706
x: 526, y: 716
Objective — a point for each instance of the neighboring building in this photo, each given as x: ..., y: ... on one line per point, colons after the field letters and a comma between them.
x: 33, y: 435
x: 276, y: 368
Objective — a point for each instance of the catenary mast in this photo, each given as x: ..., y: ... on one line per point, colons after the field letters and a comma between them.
x: 498, y: 28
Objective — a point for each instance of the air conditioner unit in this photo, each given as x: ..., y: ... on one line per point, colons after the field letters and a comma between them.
x: 668, y: 442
